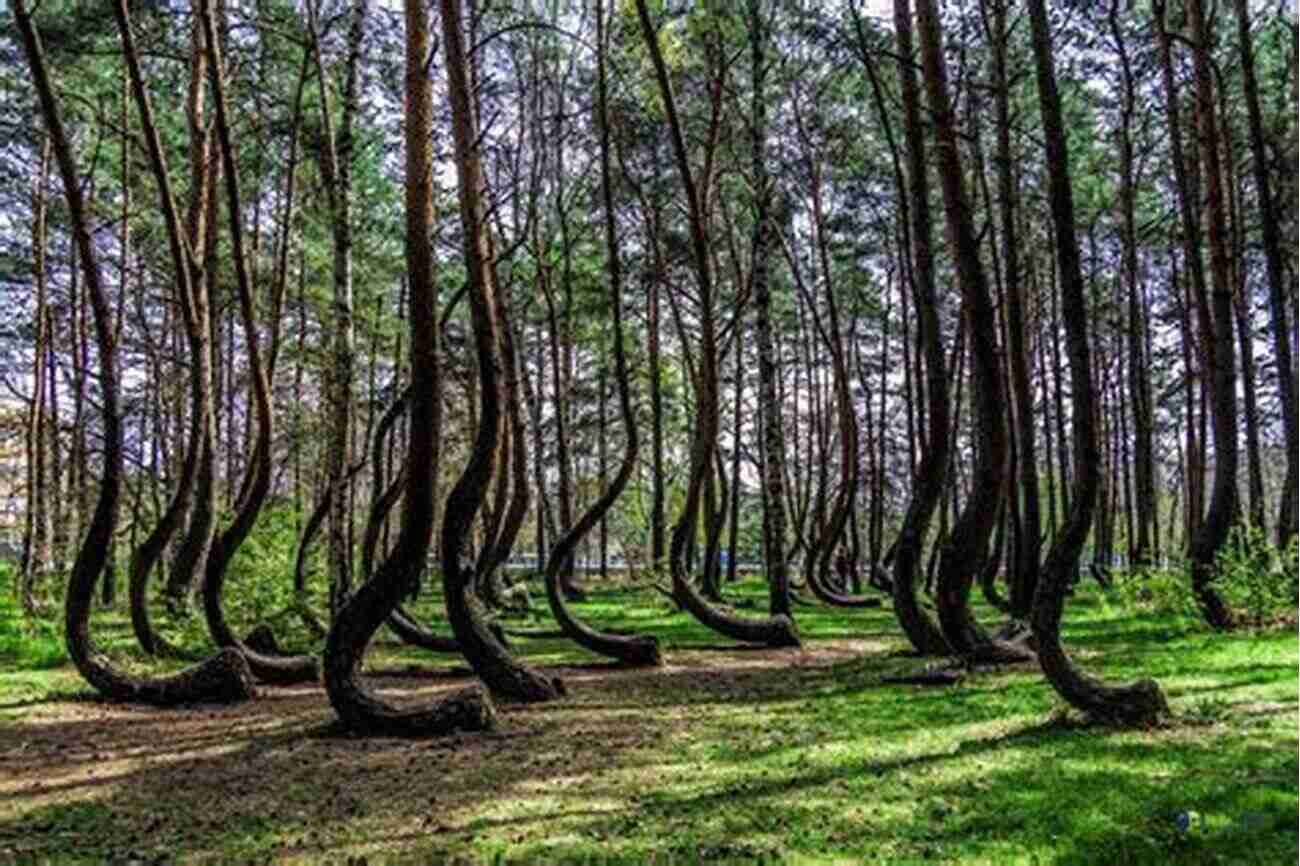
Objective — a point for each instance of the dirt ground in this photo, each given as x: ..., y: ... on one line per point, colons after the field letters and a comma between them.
x: 82, y: 778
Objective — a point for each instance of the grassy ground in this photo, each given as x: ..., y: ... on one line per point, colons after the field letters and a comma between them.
x: 726, y: 754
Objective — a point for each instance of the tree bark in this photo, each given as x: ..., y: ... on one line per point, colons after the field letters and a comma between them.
x: 503, y: 674
x: 1221, y: 511
x: 280, y: 670
x: 773, y: 424
x: 225, y: 677
x: 188, y: 273
x: 777, y: 630
x: 630, y: 649
x: 965, y: 549
x: 36, y: 552
x: 932, y: 467
x: 1277, y: 289
x: 375, y: 601
x: 336, y: 171
x: 1142, y: 702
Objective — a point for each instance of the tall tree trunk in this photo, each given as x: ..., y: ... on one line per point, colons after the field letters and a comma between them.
x: 932, y: 469
x: 273, y: 669
x: 1241, y: 304
x: 1142, y: 702
x: 778, y: 630
x: 336, y: 170
x: 1028, y: 536
x: 965, y: 549
x: 1277, y: 300
x: 224, y: 677
x: 630, y: 649
x: 1139, y: 382
x: 504, y: 676
x: 185, y: 247
x: 770, y: 406
x: 658, y: 494
x: 36, y: 557
x: 360, y: 709
x: 1221, y: 512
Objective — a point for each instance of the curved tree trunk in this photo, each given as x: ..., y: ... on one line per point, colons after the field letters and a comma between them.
x: 966, y: 546
x: 191, y: 556
x: 400, y: 621
x: 777, y: 630
x: 631, y: 649
x: 830, y: 533
x: 520, y: 499
x: 932, y: 470
x: 503, y: 674
x: 224, y: 677
x: 257, y: 481
x: 1143, y: 701
x: 387, y: 493
x: 1001, y: 552
x: 361, y: 616
x: 192, y: 301
x: 146, y: 556
x: 510, y: 499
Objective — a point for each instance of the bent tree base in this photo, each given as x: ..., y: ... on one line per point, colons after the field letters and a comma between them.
x: 362, y: 711
x: 1140, y: 704
x: 640, y: 650
x: 223, y: 678
x: 774, y: 631
x: 405, y: 627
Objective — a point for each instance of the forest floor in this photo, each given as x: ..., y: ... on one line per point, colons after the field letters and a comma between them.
x: 725, y: 754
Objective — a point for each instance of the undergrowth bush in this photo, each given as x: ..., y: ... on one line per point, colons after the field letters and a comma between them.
x: 258, y: 588
x: 1259, y: 583
x: 1256, y: 580
x: 259, y: 583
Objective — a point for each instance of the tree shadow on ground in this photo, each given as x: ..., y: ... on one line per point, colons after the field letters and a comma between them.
x: 622, y: 758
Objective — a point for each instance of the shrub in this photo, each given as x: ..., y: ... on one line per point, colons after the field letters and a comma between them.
x: 1154, y: 590
x: 1256, y: 580
x: 1258, y: 583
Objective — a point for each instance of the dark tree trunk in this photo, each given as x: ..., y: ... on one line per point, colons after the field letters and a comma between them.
x: 1143, y: 702
x: 225, y: 676
x: 966, y: 547
x: 1222, y: 508
x: 932, y: 470
x: 630, y: 649
x: 192, y: 301
x: 772, y: 422
x: 1023, y: 564
x: 504, y: 676
x: 1270, y: 228
x: 36, y: 538
x: 358, y: 708
x: 1139, y: 383
x: 658, y: 495
x: 777, y: 630
x: 272, y: 669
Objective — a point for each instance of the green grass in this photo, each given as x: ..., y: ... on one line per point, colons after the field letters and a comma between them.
x: 724, y: 756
